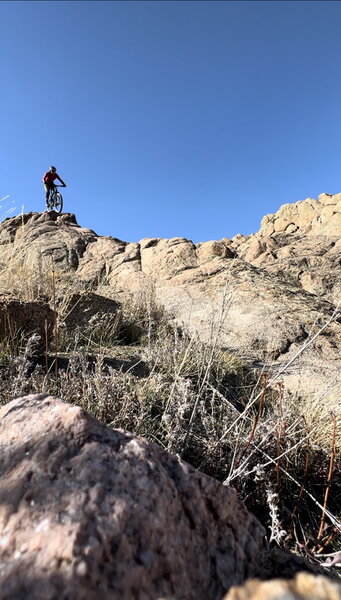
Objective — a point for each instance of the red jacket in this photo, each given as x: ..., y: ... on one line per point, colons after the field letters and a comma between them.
x: 49, y: 177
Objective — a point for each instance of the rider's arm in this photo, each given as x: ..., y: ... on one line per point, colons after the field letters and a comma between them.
x: 61, y: 181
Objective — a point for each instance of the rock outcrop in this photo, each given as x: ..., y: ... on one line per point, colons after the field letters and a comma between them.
x: 36, y: 242
x: 261, y: 296
x: 25, y: 318
x: 302, y: 241
x: 88, y: 512
x: 310, y: 216
x: 82, y: 309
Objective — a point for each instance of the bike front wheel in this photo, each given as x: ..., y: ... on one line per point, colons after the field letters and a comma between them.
x: 58, y: 202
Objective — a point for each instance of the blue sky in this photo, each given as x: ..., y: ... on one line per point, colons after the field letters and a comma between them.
x: 169, y: 119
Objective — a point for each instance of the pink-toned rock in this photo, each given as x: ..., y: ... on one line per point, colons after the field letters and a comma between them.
x: 303, y: 587
x: 87, y: 513
x: 207, y: 251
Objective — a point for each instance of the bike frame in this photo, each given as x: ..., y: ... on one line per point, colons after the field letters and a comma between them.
x: 51, y: 204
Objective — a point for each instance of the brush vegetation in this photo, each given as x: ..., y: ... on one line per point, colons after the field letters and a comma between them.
x: 137, y: 370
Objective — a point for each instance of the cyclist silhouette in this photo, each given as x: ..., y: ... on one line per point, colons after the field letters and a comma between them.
x: 48, y: 180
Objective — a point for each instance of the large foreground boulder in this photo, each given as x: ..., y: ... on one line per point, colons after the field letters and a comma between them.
x: 87, y: 512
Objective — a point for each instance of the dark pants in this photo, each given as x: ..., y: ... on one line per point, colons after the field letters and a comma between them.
x: 49, y: 187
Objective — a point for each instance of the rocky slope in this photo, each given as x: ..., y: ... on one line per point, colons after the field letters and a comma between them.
x: 87, y: 511
x: 261, y: 296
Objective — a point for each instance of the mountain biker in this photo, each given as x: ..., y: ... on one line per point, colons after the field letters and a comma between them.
x: 48, y: 180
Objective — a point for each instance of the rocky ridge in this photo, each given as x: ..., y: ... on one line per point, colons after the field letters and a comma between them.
x: 261, y: 296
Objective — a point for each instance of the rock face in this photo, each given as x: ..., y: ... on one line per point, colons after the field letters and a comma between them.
x: 303, y: 587
x: 26, y: 318
x: 64, y: 242
x: 88, y: 512
x: 314, y: 217
x: 261, y: 296
x: 83, y: 308
x: 301, y: 241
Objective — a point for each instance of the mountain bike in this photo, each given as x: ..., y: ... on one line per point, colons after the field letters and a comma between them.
x: 55, y: 200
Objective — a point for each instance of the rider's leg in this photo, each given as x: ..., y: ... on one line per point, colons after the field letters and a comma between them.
x: 47, y: 190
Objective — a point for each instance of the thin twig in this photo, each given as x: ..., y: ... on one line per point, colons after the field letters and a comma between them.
x: 324, y: 509
x: 279, y: 434
x: 55, y: 322
x: 329, y: 478
x: 252, y: 434
x: 300, y: 493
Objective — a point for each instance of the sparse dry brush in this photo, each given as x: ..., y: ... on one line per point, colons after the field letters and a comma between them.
x: 202, y: 403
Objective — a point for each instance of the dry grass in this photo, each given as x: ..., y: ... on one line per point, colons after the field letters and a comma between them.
x: 200, y: 402
x: 7, y: 207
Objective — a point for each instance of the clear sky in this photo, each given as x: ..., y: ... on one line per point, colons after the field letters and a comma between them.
x: 169, y: 119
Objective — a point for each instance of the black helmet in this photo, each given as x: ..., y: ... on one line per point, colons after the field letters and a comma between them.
x: 53, y: 169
